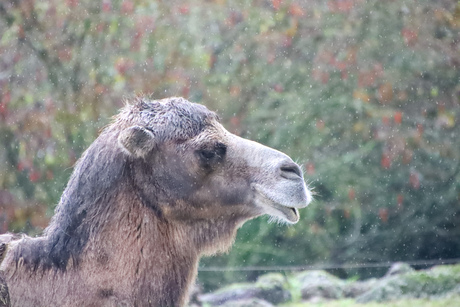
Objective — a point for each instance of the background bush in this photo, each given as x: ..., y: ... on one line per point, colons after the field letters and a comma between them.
x: 364, y: 94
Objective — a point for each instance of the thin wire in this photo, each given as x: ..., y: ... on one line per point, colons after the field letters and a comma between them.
x: 327, y: 266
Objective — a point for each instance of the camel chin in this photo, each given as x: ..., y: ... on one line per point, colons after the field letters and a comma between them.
x: 280, y: 206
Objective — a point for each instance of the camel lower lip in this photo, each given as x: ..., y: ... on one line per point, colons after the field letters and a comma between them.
x: 291, y: 214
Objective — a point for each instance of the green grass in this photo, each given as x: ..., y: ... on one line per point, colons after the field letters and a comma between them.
x: 453, y: 301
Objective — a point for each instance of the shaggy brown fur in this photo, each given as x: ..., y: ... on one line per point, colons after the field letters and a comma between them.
x: 161, y: 186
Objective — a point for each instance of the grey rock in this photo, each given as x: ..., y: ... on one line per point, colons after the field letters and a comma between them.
x: 253, y: 302
x: 435, y: 282
x: 399, y: 268
x: 195, y: 291
x: 231, y: 293
x: 270, y: 288
x: 386, y: 290
x: 454, y: 292
x: 273, y: 288
x: 320, y: 284
x: 357, y: 288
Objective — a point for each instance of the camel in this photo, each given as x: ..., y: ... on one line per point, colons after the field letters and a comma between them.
x: 161, y: 186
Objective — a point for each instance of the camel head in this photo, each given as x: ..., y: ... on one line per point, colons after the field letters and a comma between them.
x: 187, y: 167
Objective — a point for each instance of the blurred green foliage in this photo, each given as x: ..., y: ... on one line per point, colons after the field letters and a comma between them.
x: 364, y: 94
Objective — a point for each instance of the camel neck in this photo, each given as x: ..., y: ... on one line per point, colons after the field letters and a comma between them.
x: 139, y: 251
x: 131, y: 256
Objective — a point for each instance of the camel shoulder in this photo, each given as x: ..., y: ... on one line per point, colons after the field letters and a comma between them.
x: 5, y: 239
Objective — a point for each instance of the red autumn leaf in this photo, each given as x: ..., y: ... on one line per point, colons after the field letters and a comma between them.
x: 287, y: 41
x: 65, y: 54
x: 99, y: 89
x: 24, y: 165
x: 385, y: 93
x: 122, y: 65
x: 320, y: 124
x: 325, y: 77
x: 21, y: 166
x: 235, y: 91
x: 377, y: 69
x: 16, y: 58
x: 385, y: 121
x: 340, y: 65
x: 49, y: 175
x: 310, y: 168
x: 106, y: 5
x: 326, y: 56
x: 212, y: 60
x: 400, y: 200
x: 366, y: 79
x: 21, y: 32
x: 407, y: 156
x: 100, y: 27
x: 278, y: 88
x: 441, y: 107
x: 344, y: 5
x: 409, y: 36
x: 332, y: 6
x: 414, y: 180
x: 235, y: 121
x: 296, y: 10
x: 398, y: 117
x: 6, y: 98
x: 72, y: 3
x: 34, y: 175
x: 186, y: 90
x: 351, y: 194
x: 402, y: 96
x: 127, y: 7
x: 420, y: 129
x: 136, y: 41
x: 383, y: 214
x: 271, y: 57
x: 184, y: 9
x: 340, y: 6
x: 385, y: 161
x: 276, y: 4
x: 3, y: 110
x: 4, y: 223
x: 233, y: 19
x: 48, y: 132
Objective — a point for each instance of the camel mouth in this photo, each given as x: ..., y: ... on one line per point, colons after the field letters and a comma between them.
x: 290, y: 214
x: 276, y: 210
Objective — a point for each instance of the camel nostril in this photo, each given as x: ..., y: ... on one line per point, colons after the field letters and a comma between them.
x: 290, y: 171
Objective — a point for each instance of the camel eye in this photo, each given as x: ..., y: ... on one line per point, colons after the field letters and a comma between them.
x: 207, y: 154
x: 213, y: 154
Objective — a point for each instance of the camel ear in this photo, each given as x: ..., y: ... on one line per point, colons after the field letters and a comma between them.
x: 137, y: 141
